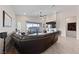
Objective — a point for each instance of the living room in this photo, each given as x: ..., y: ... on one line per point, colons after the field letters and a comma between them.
x: 30, y: 19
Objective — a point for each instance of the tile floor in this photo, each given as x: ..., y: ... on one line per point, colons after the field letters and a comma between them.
x: 64, y: 46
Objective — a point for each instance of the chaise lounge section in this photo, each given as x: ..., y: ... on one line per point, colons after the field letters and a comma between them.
x: 34, y: 44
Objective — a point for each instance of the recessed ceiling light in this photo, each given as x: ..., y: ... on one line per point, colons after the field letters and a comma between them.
x: 24, y: 13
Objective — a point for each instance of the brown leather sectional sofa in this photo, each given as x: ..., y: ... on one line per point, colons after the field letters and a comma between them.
x: 34, y: 44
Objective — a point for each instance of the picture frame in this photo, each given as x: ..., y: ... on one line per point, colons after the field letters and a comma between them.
x: 7, y: 19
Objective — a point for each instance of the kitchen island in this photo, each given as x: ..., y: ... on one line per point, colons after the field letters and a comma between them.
x: 34, y: 43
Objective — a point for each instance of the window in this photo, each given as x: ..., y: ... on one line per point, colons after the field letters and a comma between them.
x: 18, y: 25
x: 33, y: 27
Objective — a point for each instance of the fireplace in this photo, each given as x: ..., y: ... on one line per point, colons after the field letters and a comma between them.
x: 72, y: 26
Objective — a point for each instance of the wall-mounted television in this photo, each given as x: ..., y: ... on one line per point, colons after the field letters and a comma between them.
x: 72, y: 26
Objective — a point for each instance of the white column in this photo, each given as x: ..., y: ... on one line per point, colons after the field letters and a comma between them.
x: 43, y: 23
x: 61, y: 23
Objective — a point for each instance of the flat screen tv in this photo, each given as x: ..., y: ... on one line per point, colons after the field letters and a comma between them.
x: 72, y: 26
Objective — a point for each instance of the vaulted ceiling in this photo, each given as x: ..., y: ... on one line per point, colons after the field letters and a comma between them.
x: 34, y: 10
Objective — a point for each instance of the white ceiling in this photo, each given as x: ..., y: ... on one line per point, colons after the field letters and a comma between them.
x: 34, y: 10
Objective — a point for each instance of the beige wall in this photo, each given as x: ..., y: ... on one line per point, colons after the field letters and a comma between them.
x: 61, y: 23
x: 51, y: 18
x: 77, y: 27
x: 9, y: 10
